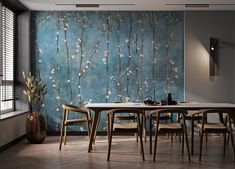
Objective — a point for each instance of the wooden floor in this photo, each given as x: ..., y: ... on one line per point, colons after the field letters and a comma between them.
x: 125, y: 153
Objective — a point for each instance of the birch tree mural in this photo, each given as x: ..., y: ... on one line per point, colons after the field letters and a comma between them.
x: 142, y: 57
x: 119, y: 20
x: 136, y: 36
x: 106, y: 30
x: 128, y: 69
x: 66, y: 26
x: 154, y: 47
x: 107, y: 56
x: 58, y: 73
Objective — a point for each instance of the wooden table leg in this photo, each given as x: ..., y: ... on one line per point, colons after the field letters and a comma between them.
x: 93, y: 129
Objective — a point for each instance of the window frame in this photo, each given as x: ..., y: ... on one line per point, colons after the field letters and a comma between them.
x: 14, y: 45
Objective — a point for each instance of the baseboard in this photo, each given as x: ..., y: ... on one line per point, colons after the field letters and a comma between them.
x: 12, y: 143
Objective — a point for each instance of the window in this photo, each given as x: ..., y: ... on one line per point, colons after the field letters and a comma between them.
x: 7, y: 37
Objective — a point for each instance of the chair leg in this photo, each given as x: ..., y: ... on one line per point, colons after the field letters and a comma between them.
x: 108, y: 127
x: 61, y: 136
x: 155, y: 144
x: 192, y: 136
x: 110, y: 137
x: 137, y: 137
x: 144, y: 129
x: 62, y: 128
x: 65, y: 135
x: 96, y: 129
x: 201, y: 141
x: 182, y: 144
x: 186, y: 140
x: 228, y: 139
x: 232, y: 141
x: 150, y: 135
x: 140, y: 126
x: 225, y: 136
x: 88, y: 126
x: 180, y: 137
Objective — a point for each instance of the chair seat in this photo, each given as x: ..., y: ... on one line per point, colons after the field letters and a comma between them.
x: 170, y: 126
x: 75, y: 121
x: 125, y: 126
x: 212, y: 126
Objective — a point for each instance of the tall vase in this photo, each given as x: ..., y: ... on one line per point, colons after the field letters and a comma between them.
x: 35, y: 128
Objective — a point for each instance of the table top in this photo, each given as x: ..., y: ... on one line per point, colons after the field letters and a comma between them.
x: 189, y: 105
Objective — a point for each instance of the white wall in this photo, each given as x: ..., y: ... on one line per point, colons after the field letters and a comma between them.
x: 199, y: 27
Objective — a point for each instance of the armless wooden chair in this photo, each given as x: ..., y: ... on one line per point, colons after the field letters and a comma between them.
x: 67, y: 109
x: 214, y: 127
x: 173, y: 127
x: 129, y: 127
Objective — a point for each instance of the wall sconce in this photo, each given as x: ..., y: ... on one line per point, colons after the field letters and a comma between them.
x: 214, y: 50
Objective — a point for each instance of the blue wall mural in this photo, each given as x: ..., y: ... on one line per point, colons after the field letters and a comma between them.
x: 107, y: 56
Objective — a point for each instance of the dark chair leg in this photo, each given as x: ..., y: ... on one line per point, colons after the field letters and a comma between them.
x: 182, y: 143
x: 186, y: 140
x: 150, y: 134
x: 108, y: 127
x: 201, y: 141
x: 140, y: 126
x: 110, y: 137
x: 137, y: 137
x: 61, y: 136
x: 155, y: 144
x: 62, y: 129
x: 144, y: 129
x: 232, y: 141
x: 231, y: 135
x: 65, y: 135
x: 180, y: 137
x: 225, y: 135
x: 192, y: 135
x: 228, y: 139
x: 96, y: 129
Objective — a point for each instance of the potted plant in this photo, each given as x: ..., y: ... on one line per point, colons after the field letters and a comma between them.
x: 35, y: 123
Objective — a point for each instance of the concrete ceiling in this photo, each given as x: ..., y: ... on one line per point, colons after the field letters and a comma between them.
x: 135, y: 5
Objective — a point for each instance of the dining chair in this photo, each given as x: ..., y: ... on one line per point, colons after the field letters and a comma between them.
x: 196, y: 119
x: 66, y: 121
x: 164, y: 118
x: 214, y: 127
x: 172, y: 127
x: 113, y: 116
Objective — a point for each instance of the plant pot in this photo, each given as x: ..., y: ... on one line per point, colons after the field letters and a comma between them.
x: 35, y: 128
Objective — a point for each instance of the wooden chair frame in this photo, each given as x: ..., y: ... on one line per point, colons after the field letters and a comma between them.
x: 111, y: 119
x: 183, y: 130
x: 226, y: 130
x: 66, y: 122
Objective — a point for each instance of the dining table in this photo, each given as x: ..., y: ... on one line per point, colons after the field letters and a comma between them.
x: 99, y: 108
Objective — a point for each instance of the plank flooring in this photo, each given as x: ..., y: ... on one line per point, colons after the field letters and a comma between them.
x: 125, y: 153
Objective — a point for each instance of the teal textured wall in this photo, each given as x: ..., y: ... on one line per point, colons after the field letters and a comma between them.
x: 105, y: 57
